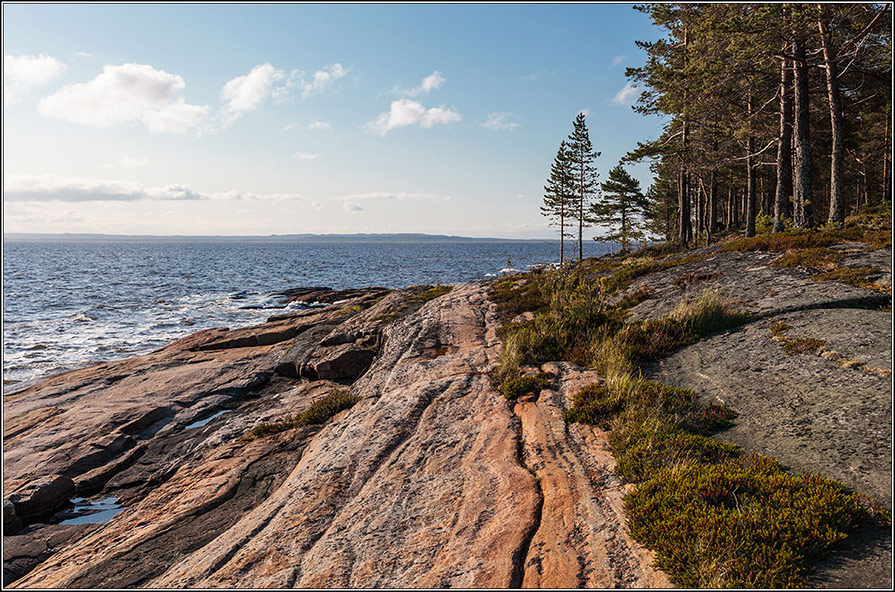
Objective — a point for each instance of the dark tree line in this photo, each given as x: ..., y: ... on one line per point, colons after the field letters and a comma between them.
x: 778, y: 109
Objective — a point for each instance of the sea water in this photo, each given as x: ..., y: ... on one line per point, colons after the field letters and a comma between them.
x: 71, y: 303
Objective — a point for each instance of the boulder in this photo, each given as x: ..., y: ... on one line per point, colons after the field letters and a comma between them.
x: 42, y: 496
x: 346, y: 362
x: 11, y: 521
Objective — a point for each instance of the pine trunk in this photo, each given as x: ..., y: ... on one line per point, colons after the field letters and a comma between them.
x: 581, y: 212
x: 887, y: 165
x: 837, y: 213
x: 784, y: 146
x: 802, y: 163
x: 713, y: 205
x: 562, y: 226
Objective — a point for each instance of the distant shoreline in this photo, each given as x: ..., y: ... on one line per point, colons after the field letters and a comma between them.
x: 361, y: 237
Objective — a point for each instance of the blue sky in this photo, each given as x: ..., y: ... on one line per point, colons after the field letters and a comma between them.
x: 289, y: 118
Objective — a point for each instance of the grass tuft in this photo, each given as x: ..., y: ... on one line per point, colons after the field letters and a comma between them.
x: 319, y: 412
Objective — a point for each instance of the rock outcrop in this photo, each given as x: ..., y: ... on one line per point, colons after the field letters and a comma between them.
x: 432, y: 479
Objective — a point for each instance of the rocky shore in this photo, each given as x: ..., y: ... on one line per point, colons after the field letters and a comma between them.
x: 432, y: 479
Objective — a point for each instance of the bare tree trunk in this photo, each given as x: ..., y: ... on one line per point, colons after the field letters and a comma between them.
x: 802, y: 164
x: 837, y: 213
x: 750, y: 175
x: 784, y: 146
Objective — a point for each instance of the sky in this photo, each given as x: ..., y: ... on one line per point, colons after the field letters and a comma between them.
x: 247, y: 119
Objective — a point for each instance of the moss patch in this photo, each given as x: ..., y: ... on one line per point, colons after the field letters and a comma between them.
x: 803, y: 345
x: 813, y: 258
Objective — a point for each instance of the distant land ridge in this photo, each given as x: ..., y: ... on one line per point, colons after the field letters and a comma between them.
x: 365, y: 237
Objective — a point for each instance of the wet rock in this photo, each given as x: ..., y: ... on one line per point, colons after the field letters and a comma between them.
x: 42, y: 496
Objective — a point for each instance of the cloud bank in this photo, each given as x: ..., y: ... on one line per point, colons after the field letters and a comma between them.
x: 42, y: 188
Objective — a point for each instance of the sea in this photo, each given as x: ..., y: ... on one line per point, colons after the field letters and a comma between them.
x: 70, y: 303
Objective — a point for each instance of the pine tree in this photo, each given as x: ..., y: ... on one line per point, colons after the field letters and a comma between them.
x: 622, y: 207
x: 584, y: 181
x: 557, y: 196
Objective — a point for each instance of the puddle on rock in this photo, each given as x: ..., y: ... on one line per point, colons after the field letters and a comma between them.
x: 202, y: 422
x: 90, y: 511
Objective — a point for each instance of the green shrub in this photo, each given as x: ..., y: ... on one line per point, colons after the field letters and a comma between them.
x: 594, y: 404
x: 527, y: 385
x: 514, y: 295
x: 740, y: 522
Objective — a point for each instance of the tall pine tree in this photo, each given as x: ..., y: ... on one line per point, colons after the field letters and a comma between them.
x: 584, y: 177
x: 557, y: 196
x: 621, y: 208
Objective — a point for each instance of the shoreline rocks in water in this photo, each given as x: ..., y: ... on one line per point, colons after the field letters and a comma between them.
x: 432, y: 479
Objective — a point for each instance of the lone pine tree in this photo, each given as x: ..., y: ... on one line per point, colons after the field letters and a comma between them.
x: 557, y: 194
x: 621, y: 208
x: 584, y: 176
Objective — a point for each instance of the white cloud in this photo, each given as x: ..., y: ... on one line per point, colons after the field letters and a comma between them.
x: 499, y: 121
x: 618, y: 60
x: 125, y: 94
x: 21, y: 73
x: 246, y: 93
x: 83, y: 54
x: 404, y: 112
x: 35, y: 188
x: 290, y: 126
x: 132, y: 162
x: 351, y: 208
x: 627, y: 95
x: 321, y: 79
x: 431, y: 82
x: 307, y: 156
x: 320, y: 126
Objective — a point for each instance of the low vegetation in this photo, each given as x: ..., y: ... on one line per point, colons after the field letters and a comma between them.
x: 715, y: 516
x: 430, y: 294
x: 318, y: 413
x: 526, y: 385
